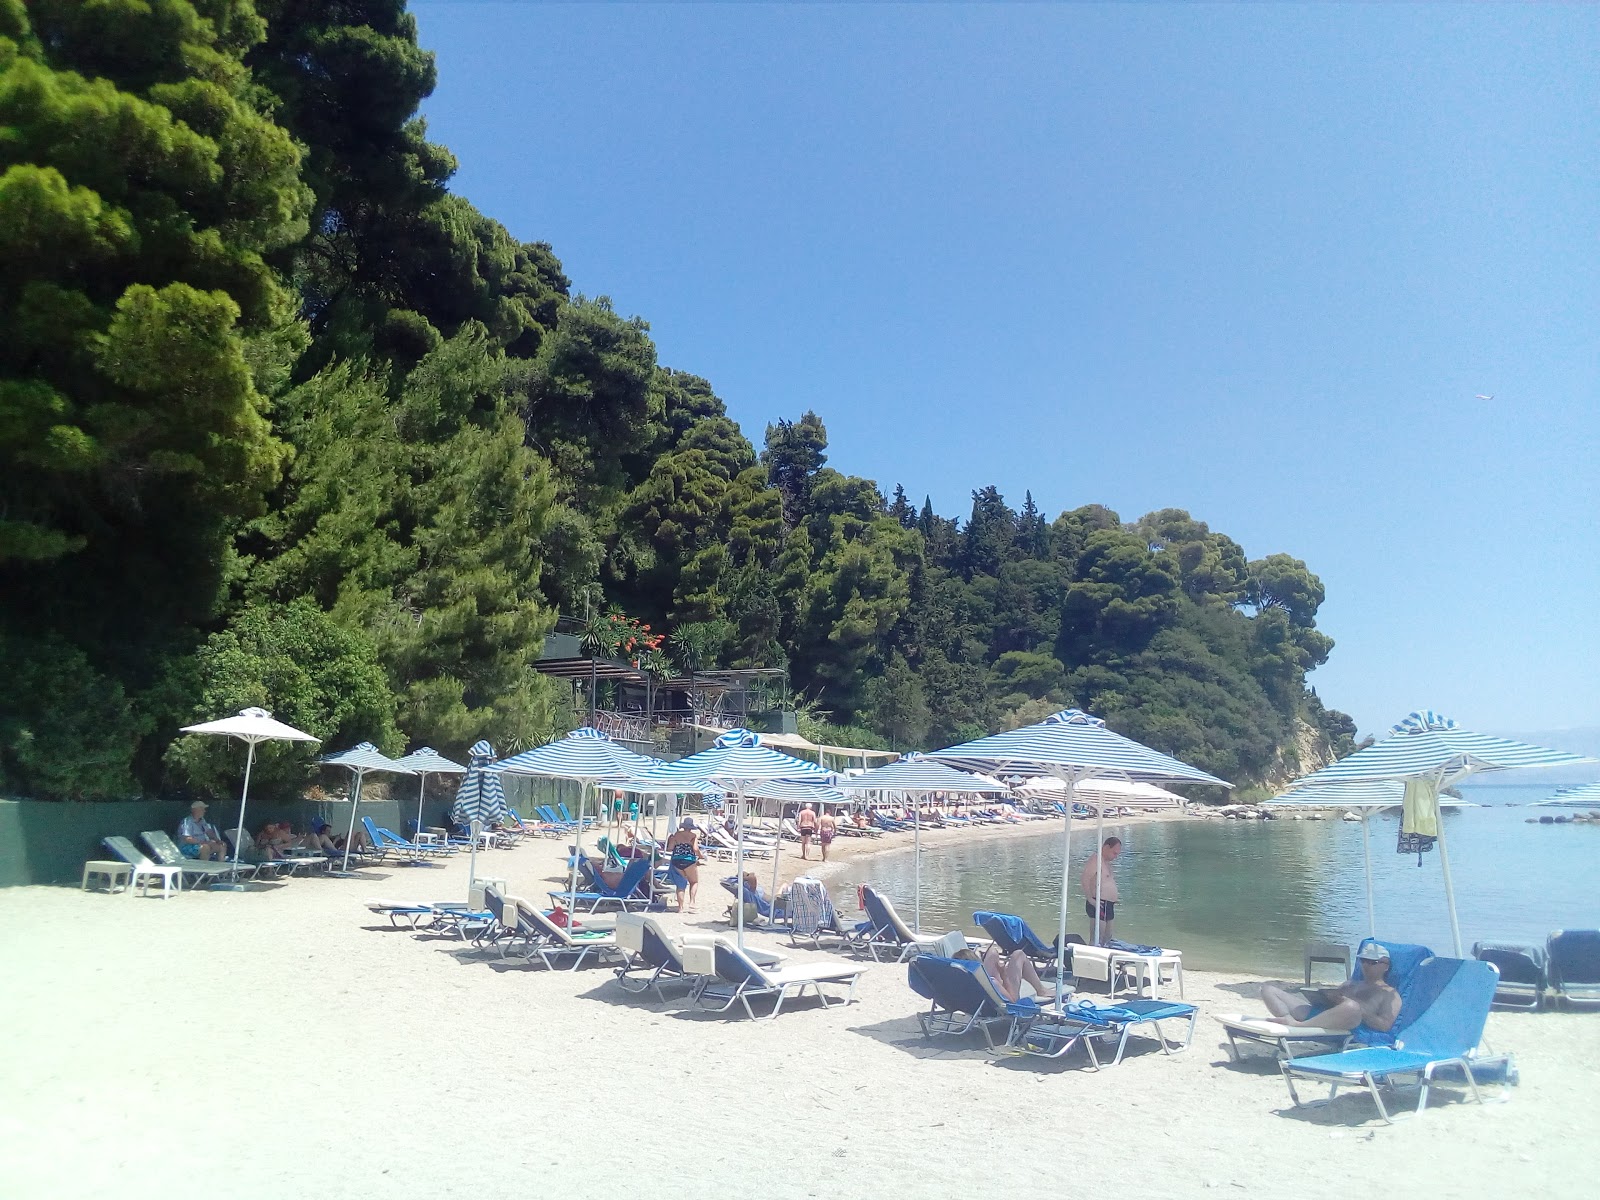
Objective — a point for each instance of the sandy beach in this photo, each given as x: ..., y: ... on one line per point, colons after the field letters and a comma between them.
x: 282, y: 1040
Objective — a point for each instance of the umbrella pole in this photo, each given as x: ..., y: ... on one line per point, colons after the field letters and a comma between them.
x: 916, y: 835
x: 1066, y: 890
x: 350, y: 834
x: 738, y: 875
x: 249, y: 761
x: 1099, y: 871
x: 1366, y: 854
x: 1449, y: 887
x: 422, y: 786
x: 777, y: 848
x: 577, y: 852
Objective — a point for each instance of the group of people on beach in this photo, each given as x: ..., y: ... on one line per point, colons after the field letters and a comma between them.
x: 199, y: 839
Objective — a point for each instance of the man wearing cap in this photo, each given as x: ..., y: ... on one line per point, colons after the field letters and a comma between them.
x: 198, y: 837
x: 1369, y: 1000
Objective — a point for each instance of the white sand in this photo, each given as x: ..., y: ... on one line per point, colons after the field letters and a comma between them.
x: 277, y: 1043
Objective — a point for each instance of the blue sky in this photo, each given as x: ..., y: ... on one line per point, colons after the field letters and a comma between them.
x: 1257, y: 262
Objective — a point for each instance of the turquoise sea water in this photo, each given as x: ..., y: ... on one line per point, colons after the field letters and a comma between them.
x: 1248, y: 895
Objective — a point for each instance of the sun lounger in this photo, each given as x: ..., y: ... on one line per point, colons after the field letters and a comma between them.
x: 631, y: 891
x: 1573, y: 956
x: 886, y: 932
x: 767, y: 912
x: 960, y: 1002
x: 144, y: 869
x: 812, y: 916
x: 740, y: 979
x: 650, y: 949
x: 1523, y: 976
x: 195, y: 871
x: 550, y: 943
x: 1443, y: 1038
x: 1011, y: 933
x: 1051, y: 1032
x: 387, y: 841
x: 1287, y: 1041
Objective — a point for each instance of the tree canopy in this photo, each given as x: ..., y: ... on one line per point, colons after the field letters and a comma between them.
x: 286, y: 421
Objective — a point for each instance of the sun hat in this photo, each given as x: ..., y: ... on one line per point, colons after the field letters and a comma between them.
x: 199, y: 804
x: 1373, y: 952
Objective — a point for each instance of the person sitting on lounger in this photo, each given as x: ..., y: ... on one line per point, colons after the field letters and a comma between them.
x: 320, y: 837
x: 1369, y: 1000
x: 1009, y: 971
x: 198, y: 837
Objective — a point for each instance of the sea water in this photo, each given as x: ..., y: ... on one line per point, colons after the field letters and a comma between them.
x: 1247, y: 896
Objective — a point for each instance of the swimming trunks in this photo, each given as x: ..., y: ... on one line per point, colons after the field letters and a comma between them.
x: 1108, y: 909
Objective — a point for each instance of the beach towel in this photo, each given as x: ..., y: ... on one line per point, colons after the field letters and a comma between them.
x: 1122, y: 947
x: 810, y: 908
x: 1419, y: 818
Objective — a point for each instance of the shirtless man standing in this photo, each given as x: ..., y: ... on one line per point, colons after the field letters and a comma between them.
x: 1370, y: 1000
x: 1099, y: 883
x: 806, y: 823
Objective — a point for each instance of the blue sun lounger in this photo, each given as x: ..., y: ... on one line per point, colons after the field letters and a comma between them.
x: 1456, y: 994
x: 885, y: 930
x: 1011, y: 933
x: 1574, y: 964
x: 627, y: 894
x: 959, y: 1002
x: 740, y: 979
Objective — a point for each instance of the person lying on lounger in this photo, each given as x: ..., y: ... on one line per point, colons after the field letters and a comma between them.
x: 1009, y: 971
x: 1369, y: 1000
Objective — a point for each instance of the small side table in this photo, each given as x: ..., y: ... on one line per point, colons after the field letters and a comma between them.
x: 118, y: 875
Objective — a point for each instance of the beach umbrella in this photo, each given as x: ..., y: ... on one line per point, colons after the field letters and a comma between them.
x: 480, y: 800
x: 735, y: 763
x: 1130, y: 792
x: 586, y: 756
x: 1366, y: 798
x: 1426, y: 753
x: 252, y: 726
x: 1581, y: 795
x: 428, y: 761
x: 917, y: 777
x: 1071, y: 746
x: 360, y: 761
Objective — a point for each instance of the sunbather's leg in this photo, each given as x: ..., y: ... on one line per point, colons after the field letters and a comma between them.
x: 1006, y: 973
x: 1284, y: 1004
x: 692, y: 874
x: 1344, y: 1016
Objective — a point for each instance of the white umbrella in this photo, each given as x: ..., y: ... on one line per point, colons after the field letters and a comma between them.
x: 428, y: 761
x: 252, y: 726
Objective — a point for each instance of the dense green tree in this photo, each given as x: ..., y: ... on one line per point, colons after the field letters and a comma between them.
x: 795, y: 452
x: 898, y: 705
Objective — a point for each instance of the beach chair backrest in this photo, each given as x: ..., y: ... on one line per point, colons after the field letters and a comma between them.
x: 1574, y: 957
x: 632, y: 877
x: 374, y: 834
x: 877, y: 910
x: 543, y: 925
x: 735, y: 966
x: 163, y: 847
x: 1404, y: 959
x: 1001, y: 928
x: 1462, y: 989
x: 896, y: 922
x: 630, y: 933
x: 565, y: 815
x: 496, y: 904
x: 657, y: 948
x: 125, y: 850
x: 951, y: 984
x: 1518, y: 964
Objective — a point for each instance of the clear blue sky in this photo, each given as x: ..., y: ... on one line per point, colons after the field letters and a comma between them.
x: 1256, y: 262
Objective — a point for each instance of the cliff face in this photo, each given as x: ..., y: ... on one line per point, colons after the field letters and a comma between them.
x: 1308, y: 750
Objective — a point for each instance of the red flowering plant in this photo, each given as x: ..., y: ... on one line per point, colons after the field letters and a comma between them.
x: 617, y: 635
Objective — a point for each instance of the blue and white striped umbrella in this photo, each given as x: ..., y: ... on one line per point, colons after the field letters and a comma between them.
x: 1431, y: 747
x: 583, y: 754
x: 361, y: 761
x: 918, y: 776
x: 736, y: 762
x: 1428, y: 746
x: 1071, y: 746
x: 480, y: 797
x: 428, y: 761
x: 1580, y: 795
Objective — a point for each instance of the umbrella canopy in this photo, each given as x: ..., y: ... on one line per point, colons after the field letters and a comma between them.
x: 736, y: 762
x: 1581, y: 795
x: 1071, y: 746
x: 480, y: 797
x: 918, y: 776
x: 585, y: 754
x: 1432, y: 749
x: 251, y: 726
x: 428, y: 761
x: 360, y: 761
x: 1133, y: 792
